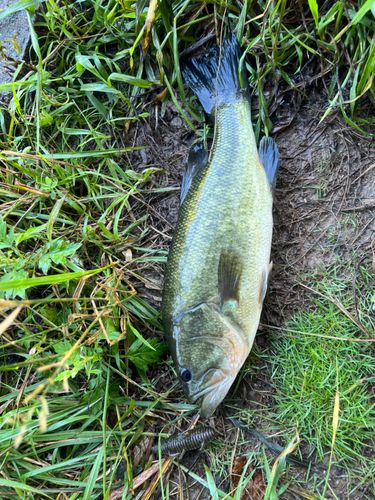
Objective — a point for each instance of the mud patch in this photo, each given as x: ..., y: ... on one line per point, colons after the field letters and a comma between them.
x: 323, y: 205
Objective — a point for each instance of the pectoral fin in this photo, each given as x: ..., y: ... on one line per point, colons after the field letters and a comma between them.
x: 197, y: 159
x: 270, y: 158
x: 230, y: 271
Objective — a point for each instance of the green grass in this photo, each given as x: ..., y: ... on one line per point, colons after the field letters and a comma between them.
x: 322, y: 355
x: 319, y: 356
x: 80, y: 360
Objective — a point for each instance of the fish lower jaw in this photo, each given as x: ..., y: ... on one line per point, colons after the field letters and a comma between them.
x: 213, y: 398
x: 216, y: 394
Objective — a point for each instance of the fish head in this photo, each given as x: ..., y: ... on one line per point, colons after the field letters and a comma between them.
x: 209, y: 350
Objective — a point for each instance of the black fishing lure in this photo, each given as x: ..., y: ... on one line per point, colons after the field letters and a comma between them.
x: 185, y: 441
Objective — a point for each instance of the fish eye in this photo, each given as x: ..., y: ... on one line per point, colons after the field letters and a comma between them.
x: 185, y: 375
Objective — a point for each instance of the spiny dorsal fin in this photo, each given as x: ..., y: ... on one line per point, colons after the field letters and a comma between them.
x: 197, y: 159
x: 270, y: 158
x: 230, y: 271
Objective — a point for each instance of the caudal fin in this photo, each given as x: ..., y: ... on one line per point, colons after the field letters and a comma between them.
x: 214, y: 77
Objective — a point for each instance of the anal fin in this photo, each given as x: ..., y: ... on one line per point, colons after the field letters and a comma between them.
x: 264, y: 282
x: 270, y: 158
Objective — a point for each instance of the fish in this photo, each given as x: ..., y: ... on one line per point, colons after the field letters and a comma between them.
x: 218, y: 265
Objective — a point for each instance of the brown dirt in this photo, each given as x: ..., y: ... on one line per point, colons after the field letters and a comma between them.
x: 323, y: 210
x: 323, y: 203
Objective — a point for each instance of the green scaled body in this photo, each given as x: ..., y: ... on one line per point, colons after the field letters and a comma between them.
x: 219, y: 259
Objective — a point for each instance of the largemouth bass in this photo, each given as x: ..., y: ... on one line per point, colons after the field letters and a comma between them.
x: 219, y: 260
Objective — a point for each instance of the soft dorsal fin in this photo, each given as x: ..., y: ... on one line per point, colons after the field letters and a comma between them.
x: 270, y: 158
x: 197, y: 159
x: 230, y: 271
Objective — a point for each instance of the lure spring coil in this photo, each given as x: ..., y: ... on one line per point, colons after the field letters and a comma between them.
x: 186, y: 441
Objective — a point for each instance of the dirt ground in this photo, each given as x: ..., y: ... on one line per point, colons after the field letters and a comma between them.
x: 323, y: 212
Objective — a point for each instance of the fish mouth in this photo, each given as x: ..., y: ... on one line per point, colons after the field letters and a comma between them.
x: 213, y: 394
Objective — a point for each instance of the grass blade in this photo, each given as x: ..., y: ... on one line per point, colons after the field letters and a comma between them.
x: 53, y: 279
